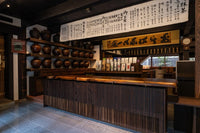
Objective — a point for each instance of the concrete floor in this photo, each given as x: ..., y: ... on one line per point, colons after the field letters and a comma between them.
x: 31, y: 117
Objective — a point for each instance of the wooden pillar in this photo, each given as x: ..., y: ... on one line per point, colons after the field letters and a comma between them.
x: 197, y: 48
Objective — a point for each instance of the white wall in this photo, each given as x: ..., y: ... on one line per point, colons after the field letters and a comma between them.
x: 39, y: 27
x: 96, y: 56
x: 15, y: 74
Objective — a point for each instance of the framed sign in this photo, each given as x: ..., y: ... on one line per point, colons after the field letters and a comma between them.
x: 155, y: 39
x: 18, y: 46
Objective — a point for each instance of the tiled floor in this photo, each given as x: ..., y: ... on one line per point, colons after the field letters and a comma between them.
x: 30, y: 117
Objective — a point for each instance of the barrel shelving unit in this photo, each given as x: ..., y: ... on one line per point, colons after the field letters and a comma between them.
x: 62, y: 57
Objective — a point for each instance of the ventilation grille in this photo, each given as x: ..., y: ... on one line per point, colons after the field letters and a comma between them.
x: 3, y: 18
x: 10, y: 20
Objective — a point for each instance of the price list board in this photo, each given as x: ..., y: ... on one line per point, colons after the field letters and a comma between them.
x: 142, y: 16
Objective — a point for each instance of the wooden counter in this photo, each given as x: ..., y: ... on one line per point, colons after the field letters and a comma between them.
x: 135, y: 103
x: 124, y: 80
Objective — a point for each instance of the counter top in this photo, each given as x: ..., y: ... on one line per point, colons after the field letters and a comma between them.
x: 123, y: 80
x: 69, y: 77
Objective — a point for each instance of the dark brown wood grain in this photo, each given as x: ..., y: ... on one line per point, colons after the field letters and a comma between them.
x: 197, y: 48
x: 136, y: 107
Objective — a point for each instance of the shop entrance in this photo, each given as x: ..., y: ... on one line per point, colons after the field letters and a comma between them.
x: 2, y: 67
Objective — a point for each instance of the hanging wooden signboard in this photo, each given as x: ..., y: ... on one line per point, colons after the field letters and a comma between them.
x: 147, y: 40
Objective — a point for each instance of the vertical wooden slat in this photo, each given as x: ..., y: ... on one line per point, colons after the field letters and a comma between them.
x: 197, y: 48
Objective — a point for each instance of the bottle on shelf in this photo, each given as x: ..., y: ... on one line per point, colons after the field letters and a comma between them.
x: 118, y: 65
x: 111, y: 66
x: 133, y: 64
x: 123, y: 65
x: 138, y: 66
x: 128, y: 66
x: 132, y: 67
x: 100, y: 65
x: 104, y: 65
x: 108, y: 65
x: 115, y: 65
x: 97, y: 65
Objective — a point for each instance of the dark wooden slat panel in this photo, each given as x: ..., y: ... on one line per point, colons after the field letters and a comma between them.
x: 135, y: 107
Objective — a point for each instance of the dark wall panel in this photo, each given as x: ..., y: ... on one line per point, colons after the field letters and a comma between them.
x: 8, y: 67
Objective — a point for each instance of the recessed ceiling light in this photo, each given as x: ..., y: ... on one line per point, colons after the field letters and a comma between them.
x: 8, y: 5
x: 88, y: 10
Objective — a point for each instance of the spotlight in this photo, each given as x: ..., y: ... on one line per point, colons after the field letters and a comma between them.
x: 8, y: 5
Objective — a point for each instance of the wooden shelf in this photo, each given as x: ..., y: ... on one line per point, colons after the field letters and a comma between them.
x: 118, y: 72
x: 76, y: 58
x: 44, y: 69
x: 60, y: 57
x: 57, y: 44
x: 36, y: 69
x: 58, y: 69
x: 39, y: 55
x: 42, y: 72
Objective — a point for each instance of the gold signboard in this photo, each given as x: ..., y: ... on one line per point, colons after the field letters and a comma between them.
x: 147, y: 40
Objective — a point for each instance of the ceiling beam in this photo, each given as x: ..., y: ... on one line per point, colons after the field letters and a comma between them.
x: 104, y: 6
x: 65, y: 7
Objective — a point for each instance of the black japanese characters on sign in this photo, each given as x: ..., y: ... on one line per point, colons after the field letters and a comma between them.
x: 163, y: 38
x: 153, y: 39
x: 143, y: 16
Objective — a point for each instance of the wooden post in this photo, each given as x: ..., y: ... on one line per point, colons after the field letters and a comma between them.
x: 197, y: 48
